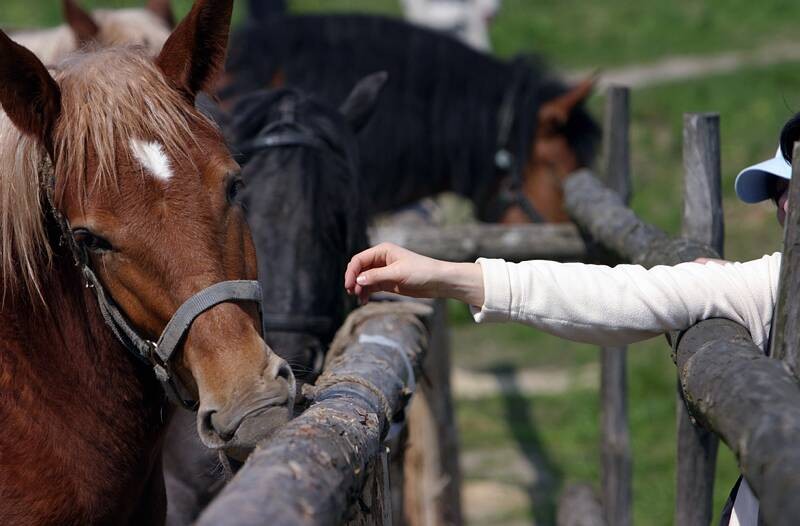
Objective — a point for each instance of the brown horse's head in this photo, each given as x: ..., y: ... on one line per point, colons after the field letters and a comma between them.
x: 149, y: 190
x: 149, y: 27
x: 551, y: 158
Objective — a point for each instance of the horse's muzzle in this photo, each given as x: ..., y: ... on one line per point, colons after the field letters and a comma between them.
x: 240, y: 425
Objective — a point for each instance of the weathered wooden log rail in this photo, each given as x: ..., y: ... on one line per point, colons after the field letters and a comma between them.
x: 560, y: 242
x: 314, y: 470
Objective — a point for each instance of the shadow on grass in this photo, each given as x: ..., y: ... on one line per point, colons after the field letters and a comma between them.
x: 542, y: 490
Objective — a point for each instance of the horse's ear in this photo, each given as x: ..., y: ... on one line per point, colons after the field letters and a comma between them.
x: 361, y: 102
x: 28, y: 94
x: 195, y: 52
x: 556, y: 112
x: 80, y: 21
x: 163, y: 9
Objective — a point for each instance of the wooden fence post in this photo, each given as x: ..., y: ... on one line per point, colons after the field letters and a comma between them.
x: 703, y: 222
x: 786, y: 329
x: 432, y: 485
x: 616, y: 450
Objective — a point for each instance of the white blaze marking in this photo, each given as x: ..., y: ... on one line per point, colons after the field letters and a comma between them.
x: 153, y: 159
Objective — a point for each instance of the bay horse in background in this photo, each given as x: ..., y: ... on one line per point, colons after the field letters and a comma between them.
x: 148, y: 27
x: 467, y: 20
x: 503, y: 134
x: 304, y: 208
x: 115, y: 208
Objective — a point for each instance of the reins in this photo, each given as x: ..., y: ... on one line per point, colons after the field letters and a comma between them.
x: 157, y: 355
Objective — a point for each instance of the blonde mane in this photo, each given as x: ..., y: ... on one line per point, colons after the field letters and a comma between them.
x: 107, y: 98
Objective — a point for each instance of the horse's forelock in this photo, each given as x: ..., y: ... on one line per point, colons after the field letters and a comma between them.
x: 108, y: 98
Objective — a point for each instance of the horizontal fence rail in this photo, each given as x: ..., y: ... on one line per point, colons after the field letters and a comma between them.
x: 560, y: 242
x: 753, y: 403
x: 602, y: 213
x: 313, y: 470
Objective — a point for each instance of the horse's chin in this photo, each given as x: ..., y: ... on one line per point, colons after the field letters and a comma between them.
x: 254, y: 429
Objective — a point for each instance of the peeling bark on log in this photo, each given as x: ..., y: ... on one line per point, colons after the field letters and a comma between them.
x: 617, y: 459
x: 753, y: 403
x: 703, y: 222
x: 313, y: 470
x: 786, y: 332
x: 560, y: 242
x: 602, y: 213
x: 579, y: 506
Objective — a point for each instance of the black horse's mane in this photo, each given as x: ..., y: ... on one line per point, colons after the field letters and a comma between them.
x: 338, y: 204
x: 429, y: 74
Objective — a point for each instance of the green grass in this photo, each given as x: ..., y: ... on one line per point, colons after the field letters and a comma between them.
x: 576, y: 33
x: 753, y: 105
x: 564, y: 429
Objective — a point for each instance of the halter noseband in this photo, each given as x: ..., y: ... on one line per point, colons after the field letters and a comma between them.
x: 157, y: 355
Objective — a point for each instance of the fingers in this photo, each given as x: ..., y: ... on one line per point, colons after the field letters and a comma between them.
x: 374, y: 257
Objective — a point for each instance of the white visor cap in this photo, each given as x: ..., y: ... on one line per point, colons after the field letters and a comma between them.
x: 753, y: 184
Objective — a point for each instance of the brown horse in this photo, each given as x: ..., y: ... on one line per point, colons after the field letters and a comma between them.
x: 106, y: 157
x: 148, y: 27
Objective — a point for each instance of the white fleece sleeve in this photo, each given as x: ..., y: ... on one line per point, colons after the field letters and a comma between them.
x: 628, y: 303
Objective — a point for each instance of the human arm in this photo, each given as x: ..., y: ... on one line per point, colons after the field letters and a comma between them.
x: 589, y: 303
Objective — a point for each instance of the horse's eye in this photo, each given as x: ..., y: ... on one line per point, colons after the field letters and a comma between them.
x: 234, y: 191
x: 90, y: 242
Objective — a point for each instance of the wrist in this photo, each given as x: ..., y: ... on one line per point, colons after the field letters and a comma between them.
x: 462, y: 282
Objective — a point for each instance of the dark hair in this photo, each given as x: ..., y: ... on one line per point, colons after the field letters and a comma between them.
x: 790, y: 135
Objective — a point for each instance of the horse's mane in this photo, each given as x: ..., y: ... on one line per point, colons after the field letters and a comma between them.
x: 107, y: 98
x: 429, y: 74
x: 339, y: 207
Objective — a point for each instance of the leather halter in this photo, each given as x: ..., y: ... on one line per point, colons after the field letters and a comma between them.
x: 283, y: 133
x: 506, y: 164
x: 157, y: 355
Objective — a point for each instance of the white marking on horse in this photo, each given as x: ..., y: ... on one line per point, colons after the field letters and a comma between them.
x: 153, y: 158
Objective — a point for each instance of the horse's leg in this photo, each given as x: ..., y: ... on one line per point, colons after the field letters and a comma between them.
x: 191, y: 471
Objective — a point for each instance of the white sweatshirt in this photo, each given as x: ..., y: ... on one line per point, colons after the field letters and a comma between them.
x: 628, y: 303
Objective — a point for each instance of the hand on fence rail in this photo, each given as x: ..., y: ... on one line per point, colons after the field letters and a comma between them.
x: 390, y: 268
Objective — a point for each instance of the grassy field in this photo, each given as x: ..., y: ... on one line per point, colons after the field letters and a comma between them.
x: 559, y: 433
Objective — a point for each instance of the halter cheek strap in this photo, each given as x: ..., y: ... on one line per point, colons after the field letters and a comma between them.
x: 156, y: 355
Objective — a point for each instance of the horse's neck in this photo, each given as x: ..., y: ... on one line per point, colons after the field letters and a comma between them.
x: 81, y: 420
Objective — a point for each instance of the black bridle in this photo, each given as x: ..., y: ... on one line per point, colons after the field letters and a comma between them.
x: 506, y: 164
x: 287, y: 132
x: 159, y: 354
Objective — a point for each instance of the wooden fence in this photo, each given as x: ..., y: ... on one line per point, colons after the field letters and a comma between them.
x: 331, y: 465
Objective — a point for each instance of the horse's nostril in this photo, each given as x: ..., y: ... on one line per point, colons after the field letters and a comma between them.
x: 210, y: 427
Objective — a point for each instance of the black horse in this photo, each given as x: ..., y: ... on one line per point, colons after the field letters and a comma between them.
x: 451, y: 118
x: 303, y: 204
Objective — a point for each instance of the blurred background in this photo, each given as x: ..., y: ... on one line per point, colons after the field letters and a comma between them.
x: 528, y: 403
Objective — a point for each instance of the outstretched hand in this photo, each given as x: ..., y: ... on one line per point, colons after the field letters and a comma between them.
x: 390, y: 268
